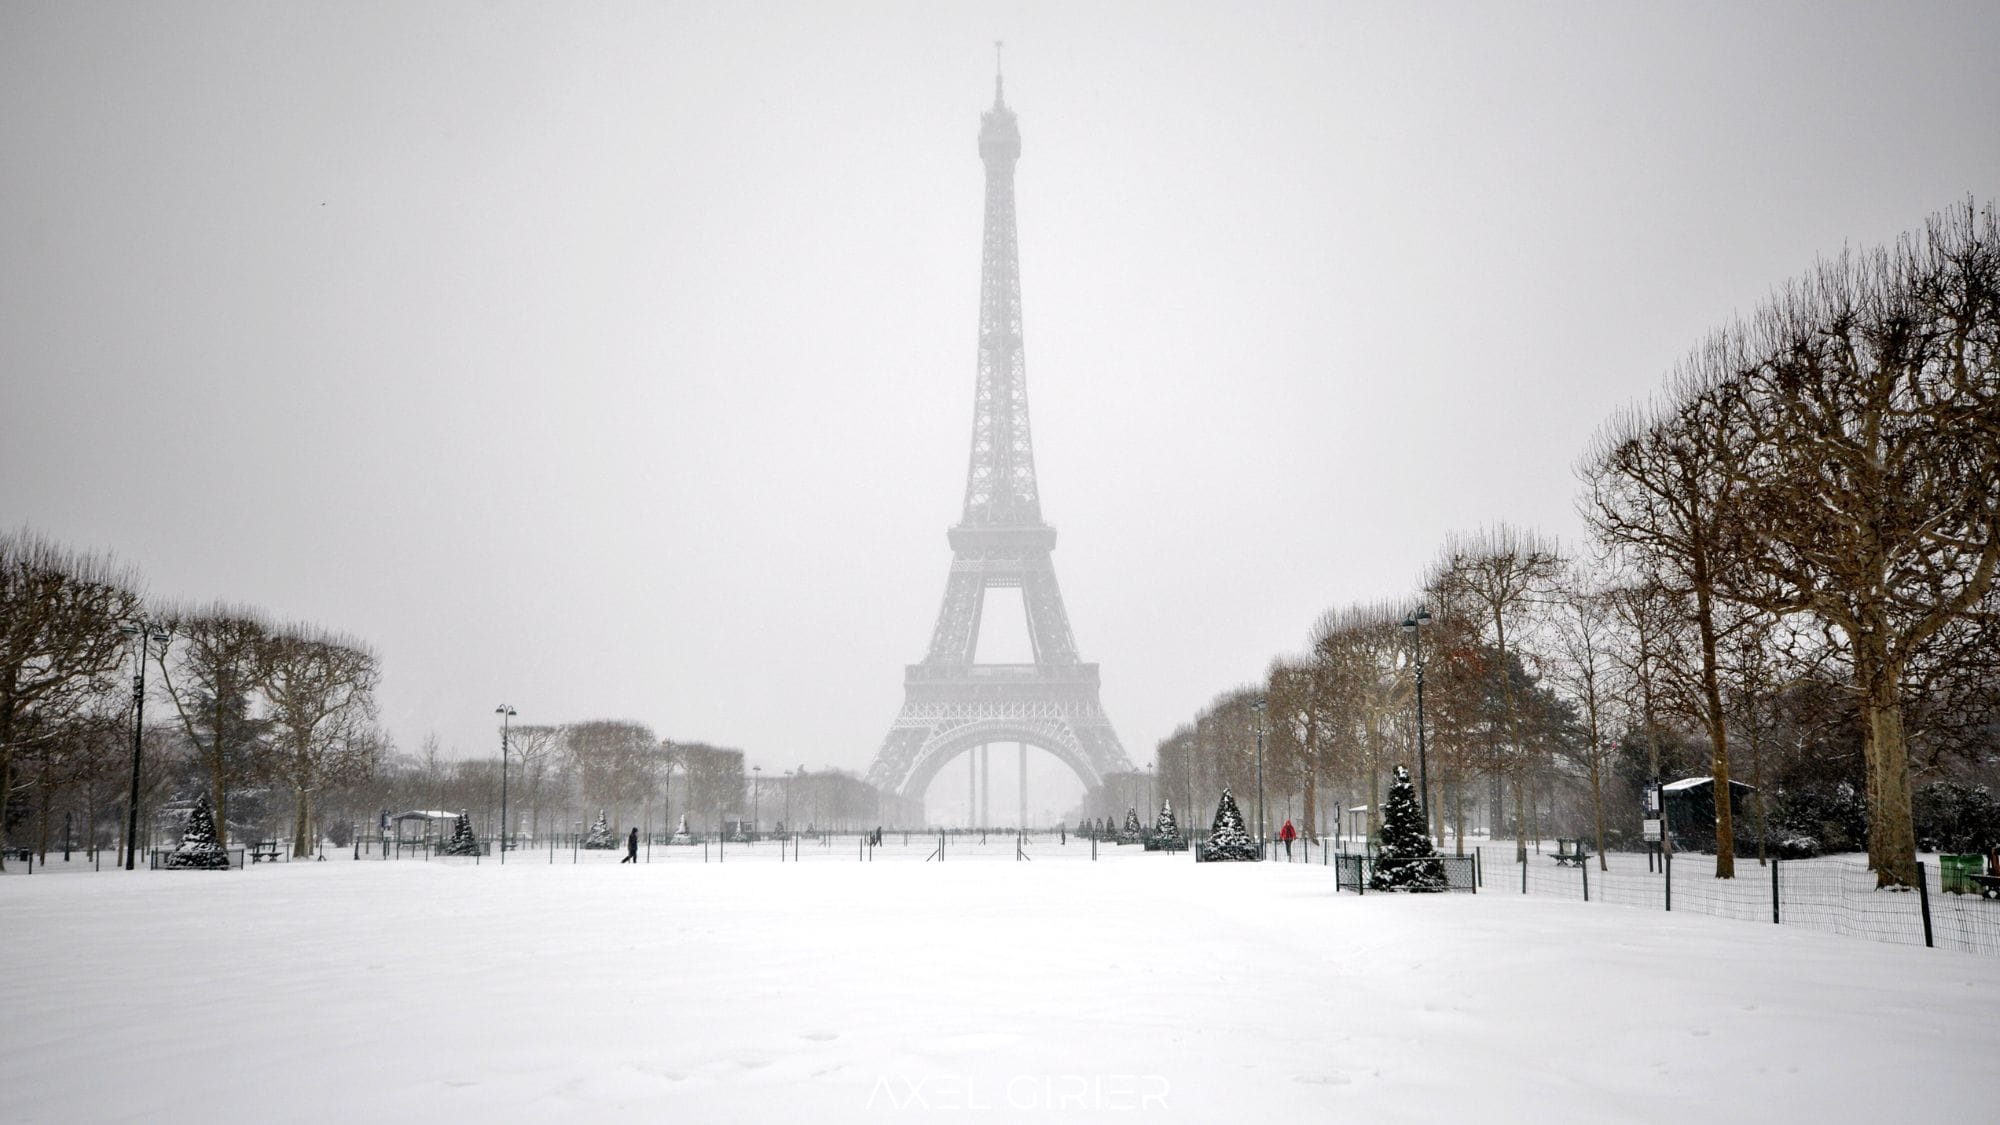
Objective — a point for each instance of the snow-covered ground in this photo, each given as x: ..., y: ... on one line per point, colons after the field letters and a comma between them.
x: 1145, y: 988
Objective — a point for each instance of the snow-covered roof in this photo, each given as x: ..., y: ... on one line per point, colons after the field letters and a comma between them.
x: 1698, y: 782
x: 425, y: 814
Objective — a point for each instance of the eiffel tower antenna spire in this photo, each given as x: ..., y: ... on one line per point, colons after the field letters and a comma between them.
x: 952, y: 704
x: 998, y: 77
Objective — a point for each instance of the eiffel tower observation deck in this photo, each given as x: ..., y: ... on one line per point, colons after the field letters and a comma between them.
x: 951, y: 705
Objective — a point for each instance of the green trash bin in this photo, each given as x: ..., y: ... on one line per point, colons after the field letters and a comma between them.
x: 1955, y: 873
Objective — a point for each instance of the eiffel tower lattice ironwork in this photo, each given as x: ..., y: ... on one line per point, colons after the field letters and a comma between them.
x: 952, y: 705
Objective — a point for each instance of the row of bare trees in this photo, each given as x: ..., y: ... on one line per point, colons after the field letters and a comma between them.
x: 1793, y: 561
x: 276, y: 724
x: 253, y: 703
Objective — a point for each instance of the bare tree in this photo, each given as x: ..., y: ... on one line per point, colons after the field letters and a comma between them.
x: 1584, y: 623
x: 321, y: 692
x: 534, y: 749
x: 613, y: 760
x: 59, y: 640
x: 1646, y: 644
x: 213, y: 684
x: 1361, y: 657
x: 1874, y: 445
x: 1495, y: 576
x: 1661, y: 490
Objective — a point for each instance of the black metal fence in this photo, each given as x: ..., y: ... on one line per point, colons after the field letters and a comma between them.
x: 1832, y: 894
x: 1353, y: 870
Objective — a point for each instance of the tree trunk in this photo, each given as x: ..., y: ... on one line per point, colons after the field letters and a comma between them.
x: 215, y: 779
x: 1310, y: 812
x: 1892, y: 842
x: 45, y: 799
x: 301, y: 825
x: 1496, y: 800
x: 1757, y: 783
x: 1374, y: 780
x: 1597, y: 801
x: 6, y: 763
x: 1718, y: 732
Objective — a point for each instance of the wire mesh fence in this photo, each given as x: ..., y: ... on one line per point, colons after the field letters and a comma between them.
x: 1831, y: 894
x: 1354, y: 870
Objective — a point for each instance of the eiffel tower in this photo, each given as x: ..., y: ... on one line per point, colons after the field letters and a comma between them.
x: 952, y: 706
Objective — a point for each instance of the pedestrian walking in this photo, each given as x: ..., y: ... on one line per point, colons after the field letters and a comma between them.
x: 632, y: 845
x: 1288, y: 834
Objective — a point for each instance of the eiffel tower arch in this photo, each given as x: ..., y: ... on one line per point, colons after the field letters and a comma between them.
x: 951, y: 705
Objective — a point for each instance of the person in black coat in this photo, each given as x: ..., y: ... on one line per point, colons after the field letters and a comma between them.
x: 631, y: 848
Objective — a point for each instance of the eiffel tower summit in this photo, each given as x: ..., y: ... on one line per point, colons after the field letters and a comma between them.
x: 951, y: 705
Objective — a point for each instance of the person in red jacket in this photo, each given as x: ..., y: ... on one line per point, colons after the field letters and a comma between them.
x: 1288, y: 834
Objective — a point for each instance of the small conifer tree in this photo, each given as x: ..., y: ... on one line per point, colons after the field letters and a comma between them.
x: 1132, y: 831
x: 600, y: 834
x: 199, y: 849
x: 1228, y: 839
x: 1405, y: 859
x: 681, y: 834
x: 1166, y: 831
x: 462, y: 841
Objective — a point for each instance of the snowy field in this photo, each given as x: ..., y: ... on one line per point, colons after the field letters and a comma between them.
x: 1143, y: 988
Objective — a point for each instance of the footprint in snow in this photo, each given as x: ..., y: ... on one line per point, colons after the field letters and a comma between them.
x: 819, y: 1036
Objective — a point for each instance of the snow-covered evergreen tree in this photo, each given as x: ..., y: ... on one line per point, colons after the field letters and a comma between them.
x: 1405, y: 845
x: 1133, y: 830
x: 1166, y: 833
x: 1228, y: 839
x: 199, y: 848
x: 600, y: 834
x: 462, y: 841
x: 681, y: 834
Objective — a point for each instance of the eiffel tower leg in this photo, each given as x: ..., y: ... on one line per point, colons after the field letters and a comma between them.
x: 985, y: 787
x: 1023, y: 823
x: 971, y: 787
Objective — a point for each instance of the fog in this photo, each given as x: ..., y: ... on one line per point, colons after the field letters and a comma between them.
x: 617, y: 360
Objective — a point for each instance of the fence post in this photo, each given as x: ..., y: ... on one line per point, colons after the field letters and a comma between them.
x: 1524, y: 874
x: 1924, y: 901
x: 1478, y: 867
x: 1774, y: 892
x: 1669, y: 860
x: 1584, y: 866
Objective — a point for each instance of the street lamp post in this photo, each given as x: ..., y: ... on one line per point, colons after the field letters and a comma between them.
x: 756, y: 775
x: 1263, y: 821
x: 1413, y: 625
x: 788, y: 802
x: 143, y: 632
x: 506, y: 713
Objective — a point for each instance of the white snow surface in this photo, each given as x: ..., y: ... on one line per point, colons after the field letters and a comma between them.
x: 1145, y: 987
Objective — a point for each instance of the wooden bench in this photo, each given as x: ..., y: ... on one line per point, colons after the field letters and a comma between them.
x: 263, y: 850
x: 1570, y: 853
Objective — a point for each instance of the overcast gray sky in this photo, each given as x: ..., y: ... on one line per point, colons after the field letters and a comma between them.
x: 617, y: 360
